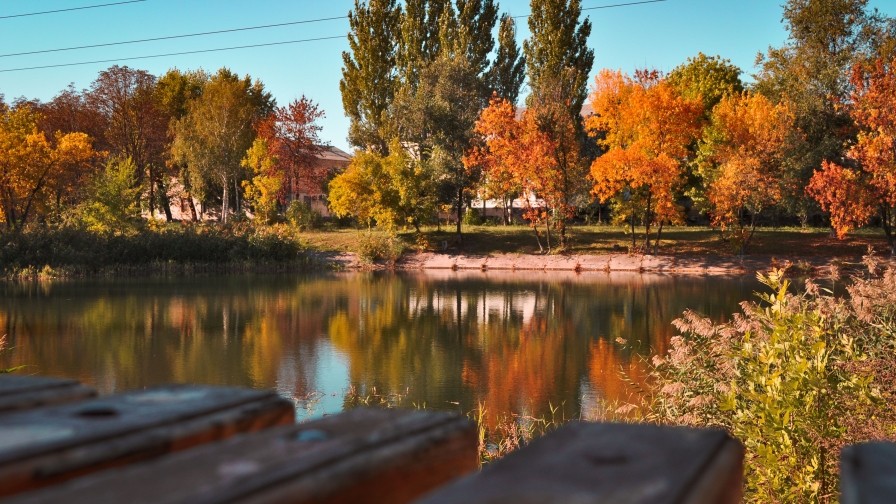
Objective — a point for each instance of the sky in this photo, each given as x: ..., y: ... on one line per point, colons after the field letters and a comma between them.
x: 658, y: 35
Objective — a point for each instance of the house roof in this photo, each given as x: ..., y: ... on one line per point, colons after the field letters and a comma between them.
x: 330, y: 153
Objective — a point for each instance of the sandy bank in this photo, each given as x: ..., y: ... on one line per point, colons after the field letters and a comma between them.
x: 608, y: 263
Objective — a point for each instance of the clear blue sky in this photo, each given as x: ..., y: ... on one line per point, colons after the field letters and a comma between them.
x: 658, y: 35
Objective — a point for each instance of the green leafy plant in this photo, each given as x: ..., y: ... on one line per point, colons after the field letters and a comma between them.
x: 302, y: 217
x: 372, y: 247
x: 795, y: 378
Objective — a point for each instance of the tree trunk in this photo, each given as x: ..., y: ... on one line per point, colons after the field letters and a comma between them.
x: 647, y: 227
x: 166, y: 203
x: 633, y: 224
x: 224, y: 201
x: 460, y: 214
x: 152, y: 194
x: 887, y: 214
x: 656, y: 243
x: 538, y: 239
x: 193, y: 212
x: 547, y: 234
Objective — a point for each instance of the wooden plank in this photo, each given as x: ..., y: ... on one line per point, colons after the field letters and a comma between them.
x: 613, y: 463
x: 20, y: 392
x: 360, y: 456
x: 48, y: 445
x: 868, y: 473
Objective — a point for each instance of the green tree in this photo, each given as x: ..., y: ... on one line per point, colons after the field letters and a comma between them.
x: 509, y: 69
x: 558, y: 49
x: 710, y: 78
x: 111, y: 205
x: 369, y: 72
x: 212, y: 139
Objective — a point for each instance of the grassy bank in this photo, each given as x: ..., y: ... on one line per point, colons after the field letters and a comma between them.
x: 696, y: 241
x: 166, y: 249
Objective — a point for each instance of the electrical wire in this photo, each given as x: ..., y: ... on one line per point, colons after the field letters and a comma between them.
x: 172, y: 54
x: 606, y: 6
x: 10, y: 16
x: 155, y: 39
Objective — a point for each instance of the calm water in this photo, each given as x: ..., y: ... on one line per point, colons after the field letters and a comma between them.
x: 513, y: 342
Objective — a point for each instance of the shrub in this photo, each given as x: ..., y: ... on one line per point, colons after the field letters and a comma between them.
x: 112, y: 198
x: 372, y: 247
x: 472, y: 218
x: 795, y: 378
x: 302, y: 217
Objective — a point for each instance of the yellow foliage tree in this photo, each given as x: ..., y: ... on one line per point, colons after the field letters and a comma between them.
x: 263, y: 190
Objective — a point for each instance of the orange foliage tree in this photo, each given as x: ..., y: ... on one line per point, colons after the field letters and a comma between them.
x: 29, y: 163
x: 740, y: 160
x: 646, y: 128
x: 539, y: 151
x: 852, y: 194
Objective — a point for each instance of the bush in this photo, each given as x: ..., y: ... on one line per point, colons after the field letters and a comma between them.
x: 372, y: 247
x: 794, y: 378
x: 472, y: 218
x: 111, y: 205
x: 302, y: 217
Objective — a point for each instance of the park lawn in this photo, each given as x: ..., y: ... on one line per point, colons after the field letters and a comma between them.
x: 694, y: 241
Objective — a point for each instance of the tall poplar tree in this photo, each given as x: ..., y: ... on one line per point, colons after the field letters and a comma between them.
x: 509, y: 69
x: 369, y: 74
x: 558, y: 49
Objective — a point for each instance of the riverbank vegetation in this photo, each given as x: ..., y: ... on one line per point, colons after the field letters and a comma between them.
x: 442, y: 138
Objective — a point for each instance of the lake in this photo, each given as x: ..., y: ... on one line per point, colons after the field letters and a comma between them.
x: 513, y: 342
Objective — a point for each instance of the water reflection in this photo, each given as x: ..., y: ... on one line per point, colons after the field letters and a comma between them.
x: 452, y: 340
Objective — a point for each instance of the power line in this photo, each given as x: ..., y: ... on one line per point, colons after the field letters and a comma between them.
x: 607, y: 6
x: 172, y: 54
x: 70, y: 9
x: 155, y: 39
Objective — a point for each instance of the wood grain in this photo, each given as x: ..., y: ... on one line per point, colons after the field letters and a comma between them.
x: 21, y: 392
x: 360, y: 456
x: 610, y: 463
x: 48, y: 445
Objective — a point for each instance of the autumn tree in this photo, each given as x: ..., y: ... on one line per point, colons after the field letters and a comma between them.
x: 29, y: 163
x: 854, y: 192
x: 810, y: 72
x: 284, y: 156
x: 741, y: 162
x: 525, y: 152
x: 646, y: 127
x: 368, y: 82
x: 174, y: 92
x: 135, y: 125
x: 212, y: 139
x: 390, y: 191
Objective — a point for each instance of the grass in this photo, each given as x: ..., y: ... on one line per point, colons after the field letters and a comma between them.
x: 694, y: 241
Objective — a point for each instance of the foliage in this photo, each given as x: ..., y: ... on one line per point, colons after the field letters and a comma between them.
x: 509, y: 69
x: 558, y: 49
x: 795, y: 378
x: 368, y: 75
x: 302, y: 216
x: 706, y: 78
x: 542, y: 158
x: 646, y: 127
x: 212, y: 139
x: 29, y: 164
x: 373, y: 246
x: 263, y: 189
x: 873, y: 187
x: 391, y: 191
x: 3, y: 350
x: 111, y: 205
x: 740, y: 159
x: 472, y: 217
x: 291, y: 135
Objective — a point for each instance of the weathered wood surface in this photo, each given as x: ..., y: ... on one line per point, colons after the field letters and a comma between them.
x: 609, y: 463
x: 868, y: 474
x: 47, y: 445
x: 18, y: 392
x: 360, y: 456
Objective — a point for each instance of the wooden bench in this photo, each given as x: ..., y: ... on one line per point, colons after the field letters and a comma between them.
x: 868, y: 474
x: 47, y: 445
x: 19, y: 392
x: 54, y: 454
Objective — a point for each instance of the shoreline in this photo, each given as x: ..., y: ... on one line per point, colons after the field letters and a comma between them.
x: 595, y: 263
